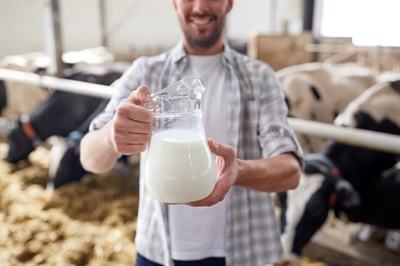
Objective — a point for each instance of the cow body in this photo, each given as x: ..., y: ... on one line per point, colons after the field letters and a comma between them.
x: 319, y: 93
x: 366, y: 183
x: 60, y: 113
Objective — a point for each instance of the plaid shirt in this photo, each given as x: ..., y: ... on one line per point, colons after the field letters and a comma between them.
x: 257, y: 128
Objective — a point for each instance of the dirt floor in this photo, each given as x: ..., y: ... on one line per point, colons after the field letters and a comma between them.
x: 92, y: 222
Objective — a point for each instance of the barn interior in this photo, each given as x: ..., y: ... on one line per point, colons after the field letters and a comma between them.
x: 81, y: 218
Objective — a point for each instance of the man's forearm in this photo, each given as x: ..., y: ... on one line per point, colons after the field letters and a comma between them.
x: 97, y: 152
x: 273, y: 174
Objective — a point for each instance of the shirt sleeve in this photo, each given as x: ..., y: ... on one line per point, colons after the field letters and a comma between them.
x: 275, y: 134
x: 129, y: 82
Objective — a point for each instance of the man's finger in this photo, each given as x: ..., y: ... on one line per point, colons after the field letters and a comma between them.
x: 226, y: 152
x: 213, y: 145
x: 141, y: 95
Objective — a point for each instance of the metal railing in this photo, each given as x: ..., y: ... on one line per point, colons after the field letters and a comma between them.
x: 352, y: 136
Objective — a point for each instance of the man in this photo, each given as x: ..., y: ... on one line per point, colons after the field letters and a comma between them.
x: 244, y: 115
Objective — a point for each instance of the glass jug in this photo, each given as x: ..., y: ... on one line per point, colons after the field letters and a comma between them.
x: 180, y: 167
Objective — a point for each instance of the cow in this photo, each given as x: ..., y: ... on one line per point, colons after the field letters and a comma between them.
x: 317, y: 92
x: 358, y: 183
x: 61, y: 113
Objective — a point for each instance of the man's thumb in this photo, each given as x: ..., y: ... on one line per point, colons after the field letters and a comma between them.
x: 141, y: 95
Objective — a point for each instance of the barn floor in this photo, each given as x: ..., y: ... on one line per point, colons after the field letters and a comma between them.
x: 93, y: 222
x: 335, y: 245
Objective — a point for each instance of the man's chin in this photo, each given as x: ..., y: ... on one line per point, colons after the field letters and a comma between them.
x: 202, y: 43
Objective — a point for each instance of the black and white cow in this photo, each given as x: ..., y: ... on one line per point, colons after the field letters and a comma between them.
x: 60, y: 114
x: 362, y: 184
x: 317, y: 92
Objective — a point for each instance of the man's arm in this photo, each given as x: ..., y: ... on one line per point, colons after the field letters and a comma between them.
x: 128, y: 132
x: 98, y: 154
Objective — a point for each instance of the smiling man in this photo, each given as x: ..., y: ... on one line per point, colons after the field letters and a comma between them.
x: 256, y: 151
x: 202, y: 25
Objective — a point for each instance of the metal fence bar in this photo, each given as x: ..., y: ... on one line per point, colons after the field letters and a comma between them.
x: 352, y: 136
x: 73, y: 86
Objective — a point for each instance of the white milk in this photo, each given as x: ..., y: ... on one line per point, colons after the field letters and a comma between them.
x: 180, y: 167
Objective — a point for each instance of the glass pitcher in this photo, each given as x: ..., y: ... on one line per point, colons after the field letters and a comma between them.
x: 180, y: 167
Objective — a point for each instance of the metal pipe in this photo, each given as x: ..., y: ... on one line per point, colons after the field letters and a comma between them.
x: 352, y: 136
x: 73, y: 86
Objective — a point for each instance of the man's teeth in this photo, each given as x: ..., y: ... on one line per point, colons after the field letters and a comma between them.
x: 200, y: 21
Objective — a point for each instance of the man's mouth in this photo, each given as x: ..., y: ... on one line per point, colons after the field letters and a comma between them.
x: 201, y: 20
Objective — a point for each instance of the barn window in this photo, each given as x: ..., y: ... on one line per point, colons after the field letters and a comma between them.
x: 368, y: 22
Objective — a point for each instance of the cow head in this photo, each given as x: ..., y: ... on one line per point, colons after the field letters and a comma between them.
x: 65, y: 166
x: 320, y: 189
x: 21, y: 140
x: 64, y: 112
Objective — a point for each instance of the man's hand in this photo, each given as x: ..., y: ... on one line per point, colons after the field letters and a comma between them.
x: 132, y: 123
x: 227, y: 173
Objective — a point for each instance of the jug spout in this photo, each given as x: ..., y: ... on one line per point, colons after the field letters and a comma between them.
x: 182, y: 97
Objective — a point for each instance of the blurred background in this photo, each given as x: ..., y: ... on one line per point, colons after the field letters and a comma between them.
x: 55, y: 213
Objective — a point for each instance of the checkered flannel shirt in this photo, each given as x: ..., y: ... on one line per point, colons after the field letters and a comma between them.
x: 257, y: 129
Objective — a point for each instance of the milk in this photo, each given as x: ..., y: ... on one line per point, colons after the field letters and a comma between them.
x: 180, y: 167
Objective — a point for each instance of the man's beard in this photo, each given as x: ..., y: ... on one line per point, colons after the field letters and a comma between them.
x: 207, y: 42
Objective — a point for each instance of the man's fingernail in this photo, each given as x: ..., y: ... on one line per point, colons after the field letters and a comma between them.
x: 215, y: 144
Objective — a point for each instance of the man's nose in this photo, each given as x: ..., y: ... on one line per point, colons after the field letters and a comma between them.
x: 200, y: 6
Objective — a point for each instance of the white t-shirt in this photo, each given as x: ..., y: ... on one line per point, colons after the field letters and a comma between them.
x: 199, y: 232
